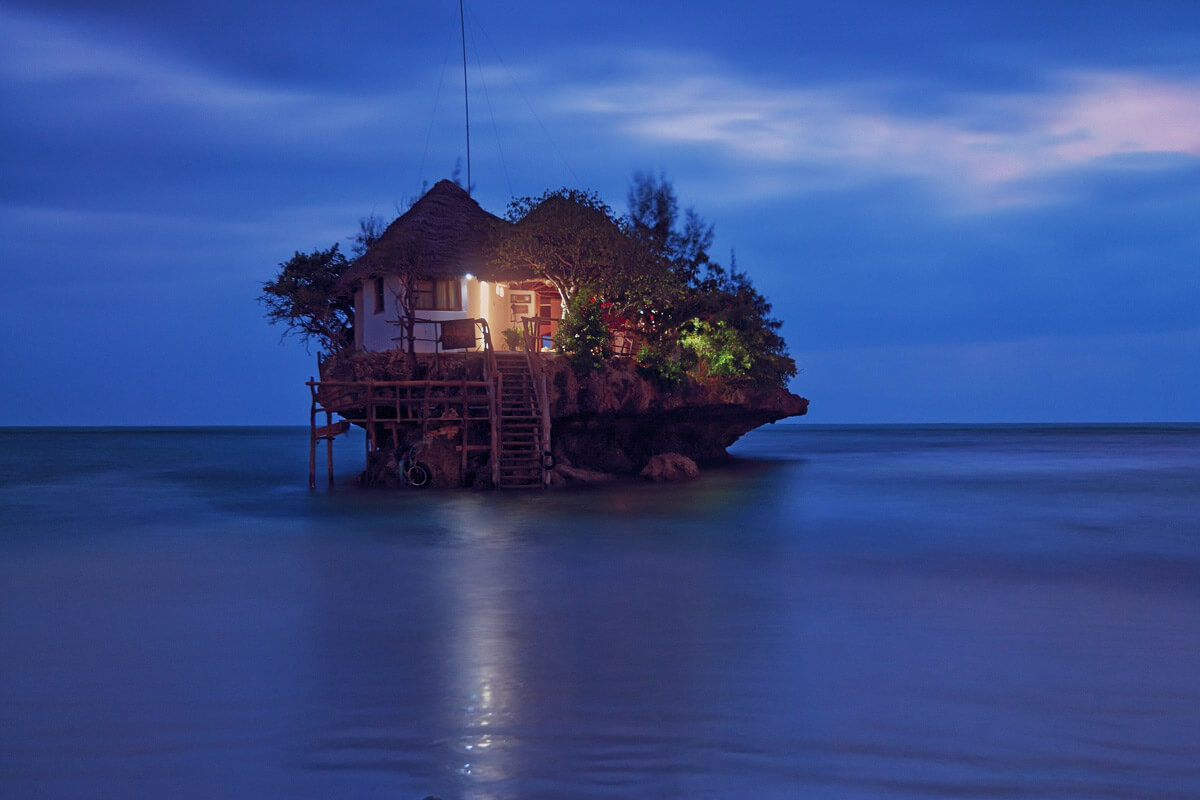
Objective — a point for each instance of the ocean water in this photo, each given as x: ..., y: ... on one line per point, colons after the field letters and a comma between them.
x: 845, y: 612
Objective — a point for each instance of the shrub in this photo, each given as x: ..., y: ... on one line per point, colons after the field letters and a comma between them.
x: 582, y: 335
x: 721, y: 351
x: 513, y: 339
x: 665, y: 365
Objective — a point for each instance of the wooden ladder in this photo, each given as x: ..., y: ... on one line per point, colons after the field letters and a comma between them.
x: 520, y: 424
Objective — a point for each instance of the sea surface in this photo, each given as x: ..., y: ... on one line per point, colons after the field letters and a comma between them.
x: 844, y: 612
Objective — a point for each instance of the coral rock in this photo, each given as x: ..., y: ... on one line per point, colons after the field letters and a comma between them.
x: 670, y: 467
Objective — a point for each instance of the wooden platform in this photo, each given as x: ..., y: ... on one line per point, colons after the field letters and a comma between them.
x: 502, y: 415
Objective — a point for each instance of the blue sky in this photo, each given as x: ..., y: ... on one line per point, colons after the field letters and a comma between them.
x: 962, y: 212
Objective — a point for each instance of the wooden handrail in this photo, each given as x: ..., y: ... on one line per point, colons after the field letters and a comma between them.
x: 537, y: 373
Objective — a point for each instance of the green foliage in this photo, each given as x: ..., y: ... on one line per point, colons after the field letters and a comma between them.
x: 653, y: 208
x: 717, y: 316
x: 583, y: 335
x: 572, y: 239
x: 513, y: 339
x: 568, y: 236
x: 654, y: 218
x: 721, y: 351
x: 729, y: 299
x: 303, y: 298
x: 663, y: 363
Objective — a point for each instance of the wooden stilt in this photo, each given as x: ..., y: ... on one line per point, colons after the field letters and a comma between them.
x: 394, y: 411
x: 329, y: 445
x: 312, y: 438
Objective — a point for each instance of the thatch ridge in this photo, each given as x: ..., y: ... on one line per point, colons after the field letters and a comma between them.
x: 445, y: 234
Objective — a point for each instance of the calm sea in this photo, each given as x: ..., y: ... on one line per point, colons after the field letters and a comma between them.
x: 846, y: 612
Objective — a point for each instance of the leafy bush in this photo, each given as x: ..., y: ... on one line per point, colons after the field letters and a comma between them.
x: 582, y: 335
x: 513, y: 339
x: 721, y: 350
x: 665, y: 365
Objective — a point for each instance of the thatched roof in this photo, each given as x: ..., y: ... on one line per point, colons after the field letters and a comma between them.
x: 445, y: 234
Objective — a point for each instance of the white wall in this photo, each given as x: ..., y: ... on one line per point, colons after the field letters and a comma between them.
x: 497, y: 310
x: 379, y: 331
x: 481, y: 299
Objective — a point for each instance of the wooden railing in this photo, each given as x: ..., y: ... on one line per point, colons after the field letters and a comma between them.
x: 445, y: 335
x: 532, y: 329
x: 538, y: 332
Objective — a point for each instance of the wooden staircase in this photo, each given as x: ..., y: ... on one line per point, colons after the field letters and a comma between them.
x: 519, y: 422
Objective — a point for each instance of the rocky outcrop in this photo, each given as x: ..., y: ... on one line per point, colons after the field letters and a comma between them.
x: 670, y: 467
x: 615, y: 420
x: 604, y: 423
x: 567, y: 475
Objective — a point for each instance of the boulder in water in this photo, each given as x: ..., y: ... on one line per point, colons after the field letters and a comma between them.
x: 670, y: 467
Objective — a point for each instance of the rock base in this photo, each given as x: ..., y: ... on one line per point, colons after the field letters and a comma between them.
x: 670, y: 467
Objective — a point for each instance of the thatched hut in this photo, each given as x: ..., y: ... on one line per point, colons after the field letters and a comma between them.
x: 432, y: 265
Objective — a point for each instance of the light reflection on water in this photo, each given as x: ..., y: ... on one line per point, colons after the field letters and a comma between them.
x: 881, y: 613
x: 479, y: 573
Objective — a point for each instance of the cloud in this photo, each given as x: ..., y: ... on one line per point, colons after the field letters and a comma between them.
x: 988, y: 147
x: 1113, y: 113
x: 80, y: 74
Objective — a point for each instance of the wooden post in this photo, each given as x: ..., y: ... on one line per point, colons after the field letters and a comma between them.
x: 462, y: 467
x: 545, y: 428
x: 329, y: 445
x: 312, y: 435
x: 425, y: 411
x: 494, y: 413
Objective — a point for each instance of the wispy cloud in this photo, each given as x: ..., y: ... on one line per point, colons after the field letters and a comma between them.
x: 977, y: 149
x: 988, y: 146
x: 117, y: 79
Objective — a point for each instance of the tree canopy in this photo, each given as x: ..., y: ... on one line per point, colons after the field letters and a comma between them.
x: 304, y: 299
x: 567, y: 236
x: 648, y: 272
x: 719, y: 324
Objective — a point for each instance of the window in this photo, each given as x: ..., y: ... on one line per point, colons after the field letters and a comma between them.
x: 437, y: 295
x: 379, y: 305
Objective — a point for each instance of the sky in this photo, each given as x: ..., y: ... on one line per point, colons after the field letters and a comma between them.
x: 961, y: 212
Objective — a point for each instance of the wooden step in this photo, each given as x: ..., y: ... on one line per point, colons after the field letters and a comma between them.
x: 519, y: 441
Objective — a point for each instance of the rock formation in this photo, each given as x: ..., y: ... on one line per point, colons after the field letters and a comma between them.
x: 614, y: 420
x: 670, y: 467
x: 604, y: 423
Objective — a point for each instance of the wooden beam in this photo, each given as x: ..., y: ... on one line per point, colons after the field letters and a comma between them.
x: 331, y: 430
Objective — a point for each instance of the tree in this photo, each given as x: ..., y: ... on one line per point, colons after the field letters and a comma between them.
x: 405, y: 263
x: 573, y: 240
x: 303, y: 297
x: 370, y: 228
x: 653, y: 208
x: 738, y: 323
x: 720, y: 325
x: 583, y: 335
x: 567, y: 236
x: 654, y: 217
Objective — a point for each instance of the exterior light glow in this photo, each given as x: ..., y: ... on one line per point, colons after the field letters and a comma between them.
x: 469, y: 276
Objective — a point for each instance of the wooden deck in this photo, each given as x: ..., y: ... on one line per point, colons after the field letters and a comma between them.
x: 503, y: 416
